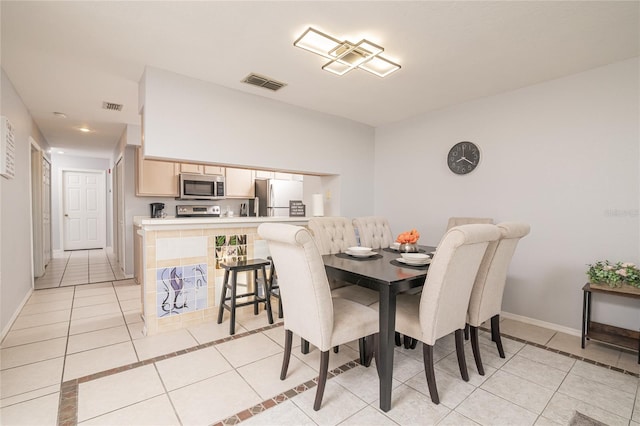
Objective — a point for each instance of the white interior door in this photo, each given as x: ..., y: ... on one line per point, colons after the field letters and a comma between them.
x: 46, y: 209
x: 120, y: 227
x: 84, y: 210
x: 37, y: 212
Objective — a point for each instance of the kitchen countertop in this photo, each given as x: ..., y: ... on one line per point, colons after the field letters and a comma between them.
x: 211, y: 222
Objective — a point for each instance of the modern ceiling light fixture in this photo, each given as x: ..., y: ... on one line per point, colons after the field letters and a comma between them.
x: 345, y: 55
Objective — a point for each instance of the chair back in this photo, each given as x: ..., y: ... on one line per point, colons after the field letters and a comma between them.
x: 304, y: 289
x: 374, y: 231
x: 486, y: 296
x: 333, y: 234
x: 447, y: 288
x: 457, y: 221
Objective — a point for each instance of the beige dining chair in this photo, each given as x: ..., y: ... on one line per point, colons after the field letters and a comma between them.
x: 457, y: 221
x: 442, y: 306
x: 335, y: 235
x: 311, y: 312
x: 486, y: 297
x: 374, y: 231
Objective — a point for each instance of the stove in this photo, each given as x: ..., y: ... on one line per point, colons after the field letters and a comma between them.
x: 197, y: 211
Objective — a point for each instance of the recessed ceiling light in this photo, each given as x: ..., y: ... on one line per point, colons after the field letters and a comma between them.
x: 60, y: 114
x: 84, y: 129
x: 60, y: 152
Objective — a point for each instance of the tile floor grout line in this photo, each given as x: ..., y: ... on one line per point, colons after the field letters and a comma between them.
x: 68, y: 404
x: 65, y: 404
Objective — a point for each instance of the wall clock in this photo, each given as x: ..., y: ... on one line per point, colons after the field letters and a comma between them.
x: 463, y: 157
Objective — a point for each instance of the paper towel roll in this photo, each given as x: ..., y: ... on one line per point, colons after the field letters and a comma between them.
x: 318, y: 205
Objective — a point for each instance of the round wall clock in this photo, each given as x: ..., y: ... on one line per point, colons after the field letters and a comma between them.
x: 463, y: 157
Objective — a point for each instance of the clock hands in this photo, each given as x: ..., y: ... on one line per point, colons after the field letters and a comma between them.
x: 470, y: 162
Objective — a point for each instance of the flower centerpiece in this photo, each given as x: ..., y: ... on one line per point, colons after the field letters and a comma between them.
x: 408, y: 241
x: 614, y: 274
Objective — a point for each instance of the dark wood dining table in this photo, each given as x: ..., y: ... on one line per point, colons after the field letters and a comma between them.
x: 384, y: 274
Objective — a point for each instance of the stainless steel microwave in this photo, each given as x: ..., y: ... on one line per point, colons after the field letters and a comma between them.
x: 201, y: 187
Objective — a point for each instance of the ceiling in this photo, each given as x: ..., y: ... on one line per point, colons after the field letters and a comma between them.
x: 70, y: 57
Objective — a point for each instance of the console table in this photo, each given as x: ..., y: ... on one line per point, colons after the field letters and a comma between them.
x: 591, y: 330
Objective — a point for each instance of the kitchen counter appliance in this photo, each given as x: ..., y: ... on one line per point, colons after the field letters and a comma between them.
x: 276, y: 194
x: 157, y: 210
x: 201, y: 187
x: 197, y: 211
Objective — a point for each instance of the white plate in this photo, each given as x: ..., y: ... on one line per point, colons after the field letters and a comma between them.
x: 402, y: 260
x: 369, y: 254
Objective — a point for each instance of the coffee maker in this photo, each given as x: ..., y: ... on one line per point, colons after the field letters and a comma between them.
x: 157, y: 210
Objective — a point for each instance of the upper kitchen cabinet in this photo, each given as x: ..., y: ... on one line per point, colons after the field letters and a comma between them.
x: 239, y: 183
x: 156, y: 178
x: 263, y: 174
x: 201, y: 169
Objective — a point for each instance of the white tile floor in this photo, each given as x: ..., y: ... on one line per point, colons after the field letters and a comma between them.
x: 79, y: 267
x: 73, y: 332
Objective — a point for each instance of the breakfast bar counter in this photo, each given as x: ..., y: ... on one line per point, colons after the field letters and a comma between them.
x: 177, y: 263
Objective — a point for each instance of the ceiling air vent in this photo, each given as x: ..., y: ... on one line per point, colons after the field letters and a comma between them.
x: 262, y: 81
x: 111, y: 106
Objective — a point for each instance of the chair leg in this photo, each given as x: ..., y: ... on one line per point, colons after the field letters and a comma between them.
x: 398, y: 339
x: 407, y: 341
x: 427, y: 355
x: 476, y: 349
x: 322, y: 379
x: 414, y: 343
x: 223, y: 296
x: 279, y: 307
x: 336, y: 349
x: 369, y: 349
x: 304, y: 346
x: 362, y: 348
x: 466, y: 331
x: 459, y: 334
x: 495, y: 334
x: 288, y: 337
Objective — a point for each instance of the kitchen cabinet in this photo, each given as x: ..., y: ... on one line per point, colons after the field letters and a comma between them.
x: 263, y: 174
x: 201, y: 169
x: 239, y: 183
x: 156, y: 178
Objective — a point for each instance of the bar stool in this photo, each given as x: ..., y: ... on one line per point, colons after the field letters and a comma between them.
x: 232, y: 268
x: 273, y: 287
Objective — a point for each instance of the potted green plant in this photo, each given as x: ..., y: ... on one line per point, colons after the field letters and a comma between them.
x: 614, y: 274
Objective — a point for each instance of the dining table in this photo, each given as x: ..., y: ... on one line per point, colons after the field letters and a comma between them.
x: 384, y: 273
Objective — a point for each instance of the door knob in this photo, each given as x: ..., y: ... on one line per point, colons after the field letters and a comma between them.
x: 66, y: 215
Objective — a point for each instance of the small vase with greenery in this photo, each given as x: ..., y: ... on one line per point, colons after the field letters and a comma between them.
x: 614, y: 274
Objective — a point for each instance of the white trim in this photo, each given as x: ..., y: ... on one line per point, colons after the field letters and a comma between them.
x: 13, y: 318
x: 57, y: 252
x: 544, y: 324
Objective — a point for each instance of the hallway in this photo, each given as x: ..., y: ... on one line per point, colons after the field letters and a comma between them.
x: 79, y: 267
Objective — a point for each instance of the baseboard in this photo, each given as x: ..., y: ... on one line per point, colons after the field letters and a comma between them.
x: 543, y: 324
x: 6, y: 329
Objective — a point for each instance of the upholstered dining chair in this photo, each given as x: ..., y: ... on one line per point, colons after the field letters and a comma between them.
x: 311, y: 312
x: 442, y: 306
x: 335, y: 235
x: 486, y: 295
x: 457, y: 221
x: 374, y: 231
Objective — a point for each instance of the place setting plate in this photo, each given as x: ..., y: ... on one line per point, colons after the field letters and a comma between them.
x: 359, y: 253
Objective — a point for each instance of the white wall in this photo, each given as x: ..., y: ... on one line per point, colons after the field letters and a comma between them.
x: 15, y: 206
x: 60, y: 162
x: 561, y: 155
x: 188, y: 119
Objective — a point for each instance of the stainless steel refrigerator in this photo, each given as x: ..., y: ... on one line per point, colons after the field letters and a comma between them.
x: 274, y: 196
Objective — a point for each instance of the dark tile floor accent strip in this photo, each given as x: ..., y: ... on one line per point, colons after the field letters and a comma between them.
x: 68, y: 406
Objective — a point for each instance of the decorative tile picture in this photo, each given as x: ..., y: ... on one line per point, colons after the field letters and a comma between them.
x: 230, y: 247
x: 181, y: 289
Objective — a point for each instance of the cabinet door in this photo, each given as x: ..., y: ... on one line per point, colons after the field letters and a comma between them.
x: 138, y: 261
x: 263, y: 174
x: 239, y: 183
x: 156, y: 178
x: 283, y: 176
x: 190, y: 168
x: 213, y: 170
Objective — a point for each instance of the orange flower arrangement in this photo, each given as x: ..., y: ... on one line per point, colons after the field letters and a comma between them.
x: 409, y: 237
